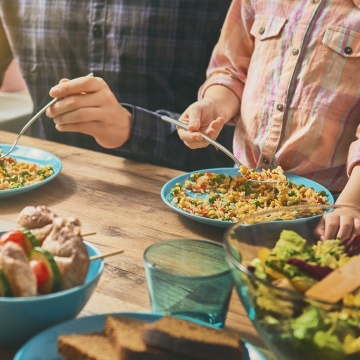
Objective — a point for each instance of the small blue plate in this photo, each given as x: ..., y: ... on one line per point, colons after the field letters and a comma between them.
x: 44, y: 345
x: 31, y: 155
x: 167, y: 196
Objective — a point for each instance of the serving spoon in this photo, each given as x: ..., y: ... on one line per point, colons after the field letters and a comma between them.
x: 27, y: 125
x: 217, y: 145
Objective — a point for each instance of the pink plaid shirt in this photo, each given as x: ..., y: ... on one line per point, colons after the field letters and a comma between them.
x: 295, y: 66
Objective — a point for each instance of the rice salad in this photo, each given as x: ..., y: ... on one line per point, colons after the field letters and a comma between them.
x: 15, y: 174
x: 230, y: 198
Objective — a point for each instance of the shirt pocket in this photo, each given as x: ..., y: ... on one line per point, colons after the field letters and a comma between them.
x: 343, y: 41
x: 267, y: 26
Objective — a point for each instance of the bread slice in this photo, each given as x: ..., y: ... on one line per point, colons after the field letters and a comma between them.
x: 94, y: 346
x: 125, y: 334
x: 191, y: 339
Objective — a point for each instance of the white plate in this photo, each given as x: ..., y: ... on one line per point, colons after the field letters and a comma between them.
x: 31, y: 155
x: 168, y: 197
x: 43, y: 346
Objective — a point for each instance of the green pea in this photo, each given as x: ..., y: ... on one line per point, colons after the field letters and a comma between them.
x: 201, y: 173
x: 291, y: 193
x: 213, y: 217
x: 241, y: 188
x: 300, y: 186
x: 212, y: 199
x: 257, y: 203
x: 178, y: 185
x: 217, y: 178
x: 289, y: 184
x: 222, y: 176
x: 322, y: 193
x: 296, y: 201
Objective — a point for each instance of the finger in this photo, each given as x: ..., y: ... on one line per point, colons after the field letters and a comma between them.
x: 88, y: 128
x: 63, y: 80
x: 332, y: 222
x: 82, y: 115
x: 319, y: 231
x: 356, y: 228
x: 76, y: 86
x: 345, y: 227
x: 194, y: 117
x: 215, y: 128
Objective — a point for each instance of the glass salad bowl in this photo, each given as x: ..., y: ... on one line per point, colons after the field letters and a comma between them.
x: 274, y: 262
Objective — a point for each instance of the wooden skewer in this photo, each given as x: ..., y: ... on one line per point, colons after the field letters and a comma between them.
x: 88, y: 233
x: 91, y: 258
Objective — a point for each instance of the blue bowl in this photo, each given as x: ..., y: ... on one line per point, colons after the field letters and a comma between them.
x: 22, y: 318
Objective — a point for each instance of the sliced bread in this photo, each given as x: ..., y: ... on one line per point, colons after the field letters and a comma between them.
x: 190, y: 339
x: 125, y: 334
x: 94, y: 346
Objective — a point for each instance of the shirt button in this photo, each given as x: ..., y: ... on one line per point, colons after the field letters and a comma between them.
x: 348, y: 50
x: 295, y: 51
x: 265, y: 160
x: 97, y: 30
x: 280, y: 107
x: 261, y: 31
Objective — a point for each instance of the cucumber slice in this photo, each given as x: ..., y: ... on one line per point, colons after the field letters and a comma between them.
x: 52, y: 284
x: 30, y: 240
x: 4, y: 286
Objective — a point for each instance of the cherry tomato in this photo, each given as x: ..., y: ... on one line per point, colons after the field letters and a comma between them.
x: 15, y: 236
x: 40, y: 270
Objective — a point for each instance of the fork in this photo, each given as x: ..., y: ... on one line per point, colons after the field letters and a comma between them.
x: 217, y: 145
x: 27, y: 125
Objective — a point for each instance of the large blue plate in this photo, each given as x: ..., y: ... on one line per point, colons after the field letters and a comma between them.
x: 43, y: 346
x: 31, y: 155
x: 167, y: 196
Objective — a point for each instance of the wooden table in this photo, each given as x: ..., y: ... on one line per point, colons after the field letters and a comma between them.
x: 120, y: 200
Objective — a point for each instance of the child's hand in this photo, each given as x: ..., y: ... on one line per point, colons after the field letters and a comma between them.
x: 340, y: 223
x: 200, y: 117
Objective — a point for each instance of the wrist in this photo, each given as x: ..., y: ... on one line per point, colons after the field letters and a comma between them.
x: 224, y: 100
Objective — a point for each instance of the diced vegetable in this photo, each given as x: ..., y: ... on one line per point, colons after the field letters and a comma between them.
x: 53, y: 282
x: 15, y: 236
x: 30, y: 240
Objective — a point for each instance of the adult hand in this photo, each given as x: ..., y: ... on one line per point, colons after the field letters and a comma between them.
x: 340, y: 223
x: 87, y: 105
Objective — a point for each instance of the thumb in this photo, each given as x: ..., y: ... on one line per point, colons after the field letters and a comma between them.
x: 319, y: 231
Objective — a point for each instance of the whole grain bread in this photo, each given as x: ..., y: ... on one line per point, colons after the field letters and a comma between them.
x: 191, y: 339
x: 125, y: 334
x: 94, y: 346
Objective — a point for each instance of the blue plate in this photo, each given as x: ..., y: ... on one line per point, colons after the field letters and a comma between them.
x: 31, y: 155
x: 43, y: 346
x: 167, y: 196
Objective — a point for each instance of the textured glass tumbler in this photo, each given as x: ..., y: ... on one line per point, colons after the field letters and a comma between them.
x: 189, y: 278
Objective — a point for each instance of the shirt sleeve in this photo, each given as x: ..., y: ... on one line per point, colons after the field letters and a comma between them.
x: 155, y: 141
x: 354, y: 153
x: 5, y: 53
x: 231, y: 56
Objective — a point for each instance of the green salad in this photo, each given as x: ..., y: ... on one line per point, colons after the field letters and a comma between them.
x: 317, y: 331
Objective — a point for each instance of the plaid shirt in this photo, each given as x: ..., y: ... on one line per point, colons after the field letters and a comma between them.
x: 152, y: 54
x: 295, y: 65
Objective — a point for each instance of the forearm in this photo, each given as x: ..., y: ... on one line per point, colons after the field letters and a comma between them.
x: 351, y: 193
x: 227, y: 102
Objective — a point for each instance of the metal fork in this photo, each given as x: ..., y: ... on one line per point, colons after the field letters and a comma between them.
x: 217, y: 145
x: 27, y: 125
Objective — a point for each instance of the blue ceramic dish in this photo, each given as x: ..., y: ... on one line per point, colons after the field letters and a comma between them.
x: 31, y: 155
x: 168, y: 197
x: 47, y: 340
x: 22, y: 318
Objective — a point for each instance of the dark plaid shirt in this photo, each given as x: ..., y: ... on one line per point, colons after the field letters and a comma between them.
x: 152, y: 53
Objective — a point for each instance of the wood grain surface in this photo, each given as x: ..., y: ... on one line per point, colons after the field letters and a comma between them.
x: 120, y: 200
